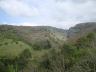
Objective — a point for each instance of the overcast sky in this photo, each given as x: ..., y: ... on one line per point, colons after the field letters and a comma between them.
x: 57, y: 13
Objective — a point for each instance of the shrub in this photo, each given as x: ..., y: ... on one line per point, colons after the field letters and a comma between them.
x: 24, y: 58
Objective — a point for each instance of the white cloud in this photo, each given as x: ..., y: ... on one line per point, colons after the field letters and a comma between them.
x: 18, y: 8
x: 28, y: 24
x: 69, y: 10
x: 62, y: 24
x: 58, y: 13
x: 22, y: 24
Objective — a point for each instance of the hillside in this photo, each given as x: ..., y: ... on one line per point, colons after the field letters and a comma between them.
x: 36, y: 36
x: 39, y: 40
x: 80, y: 30
x: 48, y: 49
x: 41, y: 34
x: 44, y: 37
x: 10, y: 44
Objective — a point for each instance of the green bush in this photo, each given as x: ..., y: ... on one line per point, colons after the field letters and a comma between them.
x: 23, y: 59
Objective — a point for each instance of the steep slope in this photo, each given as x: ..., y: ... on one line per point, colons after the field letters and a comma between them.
x: 45, y: 37
x: 39, y: 36
x: 80, y: 30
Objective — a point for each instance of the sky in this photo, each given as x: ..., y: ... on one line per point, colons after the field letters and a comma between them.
x: 57, y: 13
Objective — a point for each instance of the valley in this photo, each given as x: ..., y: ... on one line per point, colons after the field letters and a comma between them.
x: 48, y: 49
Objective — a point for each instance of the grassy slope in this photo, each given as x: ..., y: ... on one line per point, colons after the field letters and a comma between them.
x: 11, y: 49
x: 13, y: 40
x: 40, y: 34
x: 32, y: 35
x: 12, y: 44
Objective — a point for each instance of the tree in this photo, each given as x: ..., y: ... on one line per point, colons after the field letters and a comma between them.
x: 24, y: 58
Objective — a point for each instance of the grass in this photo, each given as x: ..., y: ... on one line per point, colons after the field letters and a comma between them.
x: 10, y: 48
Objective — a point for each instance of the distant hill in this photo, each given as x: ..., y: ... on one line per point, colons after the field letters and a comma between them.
x: 80, y: 30
x: 39, y: 36
x: 42, y: 36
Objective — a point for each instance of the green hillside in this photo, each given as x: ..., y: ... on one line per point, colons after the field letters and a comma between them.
x: 40, y: 35
x: 10, y: 48
x: 11, y: 44
x: 48, y: 49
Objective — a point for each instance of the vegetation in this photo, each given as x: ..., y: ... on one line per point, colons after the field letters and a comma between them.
x: 46, y: 54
